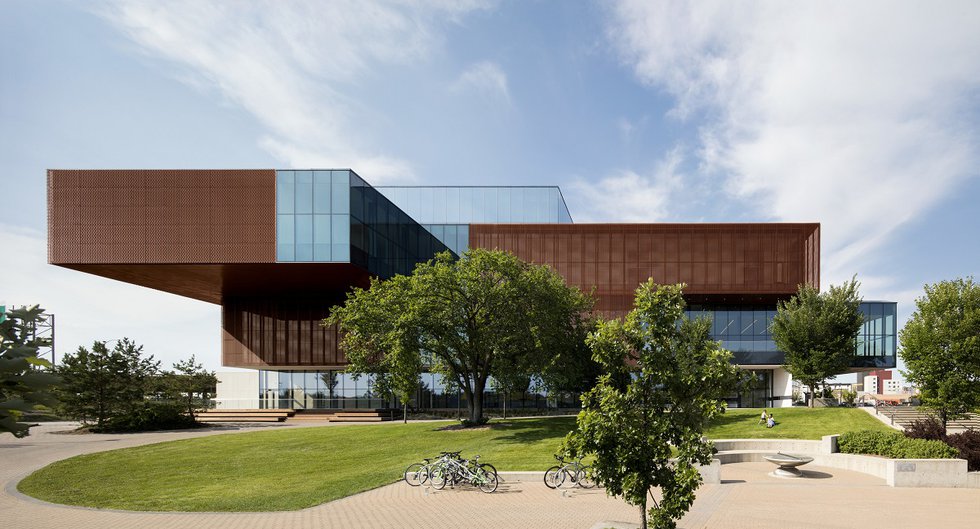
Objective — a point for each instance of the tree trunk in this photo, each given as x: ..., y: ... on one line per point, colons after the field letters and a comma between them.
x: 643, y: 513
x: 813, y: 395
x: 505, y: 406
x: 944, y: 417
x: 476, y: 401
x: 405, y: 413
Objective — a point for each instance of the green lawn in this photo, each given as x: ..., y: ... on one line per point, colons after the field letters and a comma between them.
x: 297, y: 468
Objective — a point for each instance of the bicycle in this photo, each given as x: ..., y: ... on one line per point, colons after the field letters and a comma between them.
x: 453, y: 470
x: 418, y: 473
x: 575, y: 472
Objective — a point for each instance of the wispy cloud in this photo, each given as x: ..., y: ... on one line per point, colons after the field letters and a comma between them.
x: 485, y: 78
x: 294, y: 65
x: 628, y: 196
x: 858, y: 115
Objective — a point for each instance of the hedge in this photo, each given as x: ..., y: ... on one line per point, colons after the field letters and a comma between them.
x: 893, y: 445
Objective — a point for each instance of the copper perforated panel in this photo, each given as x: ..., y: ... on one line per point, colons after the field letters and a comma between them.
x: 743, y: 262
x: 161, y: 216
x: 279, y: 333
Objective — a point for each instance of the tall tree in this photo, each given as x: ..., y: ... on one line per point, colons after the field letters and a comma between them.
x: 818, y: 332
x: 665, y: 380
x: 102, y: 383
x: 941, y: 347
x: 23, y: 384
x: 190, y: 384
x: 381, y: 336
x: 482, y: 315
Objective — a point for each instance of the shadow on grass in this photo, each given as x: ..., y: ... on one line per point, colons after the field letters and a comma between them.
x: 532, y: 430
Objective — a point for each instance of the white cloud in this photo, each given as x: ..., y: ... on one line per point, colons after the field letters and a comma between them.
x: 88, y: 307
x: 627, y: 196
x: 858, y: 115
x: 485, y: 78
x: 293, y: 65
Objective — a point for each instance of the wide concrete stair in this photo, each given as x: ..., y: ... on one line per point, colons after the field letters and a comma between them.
x: 369, y: 415
x: 905, y: 415
x: 267, y: 415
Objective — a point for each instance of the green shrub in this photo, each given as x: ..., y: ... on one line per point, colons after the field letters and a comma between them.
x: 867, y: 442
x: 921, y: 449
x: 893, y: 445
x: 149, y: 416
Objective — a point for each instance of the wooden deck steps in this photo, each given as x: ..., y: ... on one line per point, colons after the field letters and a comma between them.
x: 281, y: 415
x: 312, y: 415
x: 367, y: 415
x: 268, y: 415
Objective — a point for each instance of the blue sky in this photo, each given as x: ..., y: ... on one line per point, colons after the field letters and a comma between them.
x: 862, y: 117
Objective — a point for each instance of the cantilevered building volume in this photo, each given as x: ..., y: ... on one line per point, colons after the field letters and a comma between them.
x: 277, y: 249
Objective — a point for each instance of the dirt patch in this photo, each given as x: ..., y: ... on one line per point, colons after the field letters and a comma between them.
x: 460, y: 427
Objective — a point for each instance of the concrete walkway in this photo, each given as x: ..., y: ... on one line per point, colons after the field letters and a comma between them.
x: 748, y: 497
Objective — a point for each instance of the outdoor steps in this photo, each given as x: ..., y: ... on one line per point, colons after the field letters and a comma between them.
x: 362, y: 416
x: 312, y: 415
x: 905, y: 415
x: 267, y: 415
x: 342, y: 415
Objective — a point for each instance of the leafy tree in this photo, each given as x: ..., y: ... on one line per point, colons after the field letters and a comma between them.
x: 381, y: 336
x: 818, y: 332
x: 23, y: 386
x: 515, y: 381
x: 666, y: 379
x: 103, y: 382
x: 941, y: 348
x: 190, y: 384
x: 485, y: 314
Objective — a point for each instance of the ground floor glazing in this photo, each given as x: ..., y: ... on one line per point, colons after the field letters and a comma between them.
x: 336, y: 389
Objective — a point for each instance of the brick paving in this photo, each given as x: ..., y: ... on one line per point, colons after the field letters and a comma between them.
x: 748, y: 497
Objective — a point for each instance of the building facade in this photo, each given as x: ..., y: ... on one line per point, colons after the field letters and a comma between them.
x: 276, y: 249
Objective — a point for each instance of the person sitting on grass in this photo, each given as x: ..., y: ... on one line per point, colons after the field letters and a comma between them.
x: 770, y: 422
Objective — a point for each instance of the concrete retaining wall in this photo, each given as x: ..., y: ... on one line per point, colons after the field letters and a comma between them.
x: 895, y: 472
x: 926, y: 473
x: 770, y: 445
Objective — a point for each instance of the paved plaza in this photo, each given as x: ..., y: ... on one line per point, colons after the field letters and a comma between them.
x: 748, y: 497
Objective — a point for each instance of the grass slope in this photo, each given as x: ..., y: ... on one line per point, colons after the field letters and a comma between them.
x: 297, y: 468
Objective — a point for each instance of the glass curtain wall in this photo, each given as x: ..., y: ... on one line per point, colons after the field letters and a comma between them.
x: 876, y: 339
x: 334, y: 389
x: 746, y: 332
x: 313, y: 216
x: 334, y: 216
x: 447, y: 212
x: 758, y: 393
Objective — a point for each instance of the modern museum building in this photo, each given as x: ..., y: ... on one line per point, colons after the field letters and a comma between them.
x: 276, y: 249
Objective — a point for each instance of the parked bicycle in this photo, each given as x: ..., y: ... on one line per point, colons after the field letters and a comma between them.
x: 572, y: 471
x: 451, y: 469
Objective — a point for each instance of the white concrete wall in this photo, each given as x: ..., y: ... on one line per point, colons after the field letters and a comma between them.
x: 782, y: 385
x: 237, y: 390
x: 927, y: 473
x: 871, y: 385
